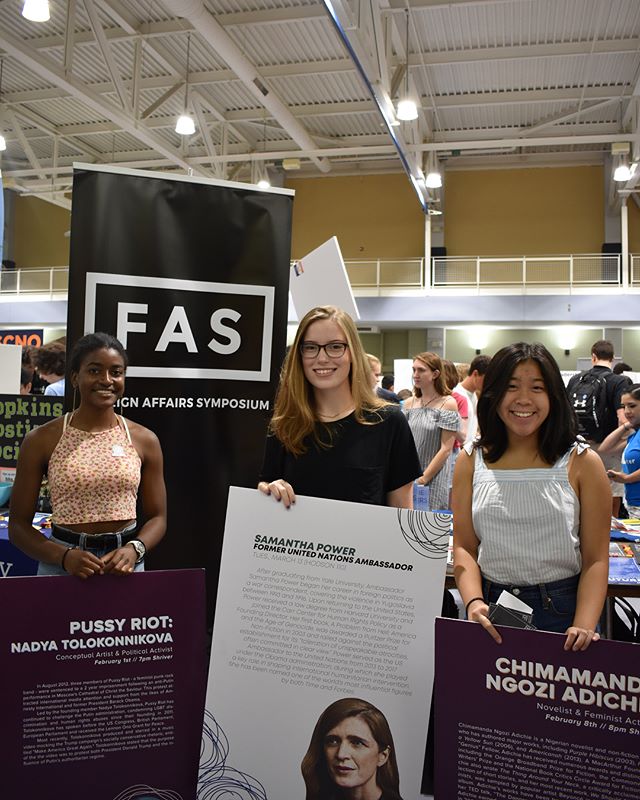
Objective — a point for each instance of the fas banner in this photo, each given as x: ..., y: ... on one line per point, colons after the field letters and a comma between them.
x: 192, y: 276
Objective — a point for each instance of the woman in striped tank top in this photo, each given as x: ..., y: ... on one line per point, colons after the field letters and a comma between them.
x: 97, y: 464
x: 531, y: 504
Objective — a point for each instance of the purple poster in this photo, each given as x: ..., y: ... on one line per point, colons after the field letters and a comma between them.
x: 525, y: 719
x: 102, y: 689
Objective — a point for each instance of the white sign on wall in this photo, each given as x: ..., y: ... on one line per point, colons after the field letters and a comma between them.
x: 10, y: 365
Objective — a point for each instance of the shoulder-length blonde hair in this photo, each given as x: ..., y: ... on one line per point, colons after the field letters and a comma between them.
x: 294, y: 416
x: 433, y: 361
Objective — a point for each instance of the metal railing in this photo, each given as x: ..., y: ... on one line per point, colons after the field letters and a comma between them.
x: 51, y: 281
x: 517, y: 273
x: 591, y: 269
x: 377, y: 273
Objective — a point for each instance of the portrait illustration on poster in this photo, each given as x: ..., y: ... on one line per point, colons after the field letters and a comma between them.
x: 351, y: 753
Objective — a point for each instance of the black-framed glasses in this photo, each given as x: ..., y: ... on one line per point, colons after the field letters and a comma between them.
x: 332, y: 349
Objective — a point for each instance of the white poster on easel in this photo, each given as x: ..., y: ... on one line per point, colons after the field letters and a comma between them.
x: 320, y: 607
x: 10, y: 364
x: 320, y: 279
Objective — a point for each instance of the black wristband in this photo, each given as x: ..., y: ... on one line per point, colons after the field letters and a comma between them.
x: 473, y: 600
x: 66, y: 553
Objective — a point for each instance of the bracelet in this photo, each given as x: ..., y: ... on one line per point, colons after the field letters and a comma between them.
x: 473, y: 600
x: 66, y: 553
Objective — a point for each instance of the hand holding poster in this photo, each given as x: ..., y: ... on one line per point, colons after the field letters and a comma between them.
x: 527, y: 719
x: 323, y: 609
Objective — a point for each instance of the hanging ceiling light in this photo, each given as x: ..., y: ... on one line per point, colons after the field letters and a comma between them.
x: 36, y: 10
x: 407, y: 109
x: 434, y: 178
x: 264, y: 182
x: 185, y: 125
x: 622, y: 172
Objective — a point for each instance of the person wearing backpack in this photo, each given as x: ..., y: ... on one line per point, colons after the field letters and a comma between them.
x: 596, y: 398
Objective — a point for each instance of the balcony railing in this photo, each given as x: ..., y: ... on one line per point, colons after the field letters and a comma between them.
x: 51, y: 281
x: 634, y: 271
x: 517, y: 274
x: 534, y: 271
x: 377, y: 273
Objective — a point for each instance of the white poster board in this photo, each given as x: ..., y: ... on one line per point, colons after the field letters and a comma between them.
x: 403, y: 374
x: 320, y: 279
x: 10, y: 365
x: 324, y: 601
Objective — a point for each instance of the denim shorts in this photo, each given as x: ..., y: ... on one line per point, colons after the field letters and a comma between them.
x: 85, y: 544
x: 553, y: 603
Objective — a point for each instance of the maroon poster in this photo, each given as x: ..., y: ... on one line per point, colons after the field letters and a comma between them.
x: 525, y: 719
x: 102, y: 687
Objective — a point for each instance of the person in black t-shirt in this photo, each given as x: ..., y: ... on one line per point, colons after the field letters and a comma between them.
x: 330, y: 436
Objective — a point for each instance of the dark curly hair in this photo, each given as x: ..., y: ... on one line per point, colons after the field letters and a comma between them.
x: 50, y: 360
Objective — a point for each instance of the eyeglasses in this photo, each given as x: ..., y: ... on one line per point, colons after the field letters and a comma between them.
x: 331, y: 349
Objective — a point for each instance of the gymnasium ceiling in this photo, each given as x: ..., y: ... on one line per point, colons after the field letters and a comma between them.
x: 282, y: 83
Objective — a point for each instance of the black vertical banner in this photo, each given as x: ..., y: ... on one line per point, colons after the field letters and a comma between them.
x: 192, y: 277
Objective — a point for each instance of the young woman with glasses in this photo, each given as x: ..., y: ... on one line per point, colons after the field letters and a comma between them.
x: 330, y: 436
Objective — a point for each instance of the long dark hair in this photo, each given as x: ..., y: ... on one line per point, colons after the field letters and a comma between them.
x: 95, y: 341
x: 556, y: 434
x: 314, y: 768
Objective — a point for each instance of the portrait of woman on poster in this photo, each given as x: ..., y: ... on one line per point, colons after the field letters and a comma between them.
x: 97, y: 464
x: 351, y: 755
x: 330, y: 436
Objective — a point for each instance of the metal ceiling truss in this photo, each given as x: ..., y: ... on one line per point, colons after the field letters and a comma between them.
x: 264, y: 97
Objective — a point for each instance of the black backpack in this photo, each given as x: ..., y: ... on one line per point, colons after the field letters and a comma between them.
x: 588, y: 398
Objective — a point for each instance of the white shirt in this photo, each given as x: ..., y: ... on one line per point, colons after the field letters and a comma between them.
x: 472, y: 419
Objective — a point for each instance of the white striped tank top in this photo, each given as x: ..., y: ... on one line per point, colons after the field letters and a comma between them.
x: 527, y: 521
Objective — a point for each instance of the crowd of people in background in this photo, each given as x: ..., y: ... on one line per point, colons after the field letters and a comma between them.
x: 43, y: 369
